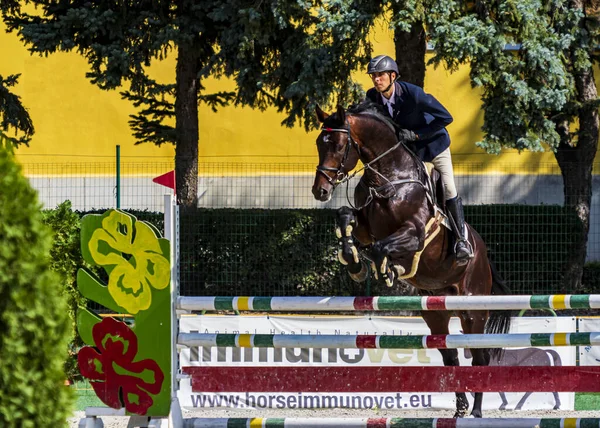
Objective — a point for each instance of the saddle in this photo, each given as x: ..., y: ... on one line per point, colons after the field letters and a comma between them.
x: 435, y: 192
x: 435, y: 189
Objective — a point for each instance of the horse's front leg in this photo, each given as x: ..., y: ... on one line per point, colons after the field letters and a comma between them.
x: 347, y: 227
x: 390, y: 254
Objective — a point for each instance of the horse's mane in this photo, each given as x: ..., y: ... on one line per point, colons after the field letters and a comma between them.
x: 364, y: 108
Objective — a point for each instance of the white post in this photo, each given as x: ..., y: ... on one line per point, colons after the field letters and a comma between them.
x: 172, y: 234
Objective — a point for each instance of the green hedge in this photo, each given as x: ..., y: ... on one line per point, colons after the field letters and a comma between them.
x: 34, y: 325
x: 287, y: 252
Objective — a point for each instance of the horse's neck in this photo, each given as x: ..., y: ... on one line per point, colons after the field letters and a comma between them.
x: 397, y: 164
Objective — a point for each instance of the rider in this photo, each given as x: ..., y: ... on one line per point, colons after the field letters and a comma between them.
x: 422, y: 121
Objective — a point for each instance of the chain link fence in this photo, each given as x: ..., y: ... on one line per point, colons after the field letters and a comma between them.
x: 259, y: 231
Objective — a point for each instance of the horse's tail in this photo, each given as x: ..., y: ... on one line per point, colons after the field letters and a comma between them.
x: 555, y: 356
x: 498, y: 321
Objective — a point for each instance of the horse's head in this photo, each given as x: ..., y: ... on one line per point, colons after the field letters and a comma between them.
x: 338, y: 153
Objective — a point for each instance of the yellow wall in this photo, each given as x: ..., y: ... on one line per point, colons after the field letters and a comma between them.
x: 76, y: 121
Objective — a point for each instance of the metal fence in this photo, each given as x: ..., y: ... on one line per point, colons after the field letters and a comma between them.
x: 95, y: 185
x: 530, y: 240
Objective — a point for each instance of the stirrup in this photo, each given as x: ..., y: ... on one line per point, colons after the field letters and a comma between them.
x: 467, y: 254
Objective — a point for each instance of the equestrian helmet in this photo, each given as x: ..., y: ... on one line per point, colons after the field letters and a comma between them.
x: 382, y: 63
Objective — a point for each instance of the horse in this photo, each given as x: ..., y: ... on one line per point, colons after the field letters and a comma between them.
x: 397, y: 227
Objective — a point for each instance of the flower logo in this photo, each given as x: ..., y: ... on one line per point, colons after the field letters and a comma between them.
x: 117, y: 380
x: 134, y: 259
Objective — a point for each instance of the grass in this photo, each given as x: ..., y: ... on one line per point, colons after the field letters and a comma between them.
x: 587, y: 401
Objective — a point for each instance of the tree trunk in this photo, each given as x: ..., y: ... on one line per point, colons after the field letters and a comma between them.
x: 410, y: 53
x: 576, y: 162
x: 186, y: 123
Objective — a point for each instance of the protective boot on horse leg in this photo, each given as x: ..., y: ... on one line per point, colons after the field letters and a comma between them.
x: 462, y: 248
x: 348, y: 253
x: 391, y: 254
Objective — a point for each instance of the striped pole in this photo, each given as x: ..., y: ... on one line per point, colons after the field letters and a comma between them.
x: 389, y: 303
x: 438, y: 341
x: 394, y: 423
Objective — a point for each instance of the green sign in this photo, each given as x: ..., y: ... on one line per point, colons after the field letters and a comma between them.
x: 128, y: 360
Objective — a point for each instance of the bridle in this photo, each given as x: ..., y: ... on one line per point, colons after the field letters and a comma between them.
x: 340, y: 175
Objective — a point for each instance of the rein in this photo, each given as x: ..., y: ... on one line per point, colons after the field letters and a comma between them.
x: 342, y: 177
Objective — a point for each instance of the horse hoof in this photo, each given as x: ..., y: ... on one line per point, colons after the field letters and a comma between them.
x: 361, y: 274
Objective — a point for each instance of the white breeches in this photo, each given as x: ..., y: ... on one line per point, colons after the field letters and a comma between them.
x: 443, y: 163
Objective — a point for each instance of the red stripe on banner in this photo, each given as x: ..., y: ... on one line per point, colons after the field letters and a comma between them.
x: 446, y: 423
x: 393, y: 379
x: 436, y: 303
x: 377, y: 423
x: 366, y: 341
x: 363, y: 303
x: 435, y: 341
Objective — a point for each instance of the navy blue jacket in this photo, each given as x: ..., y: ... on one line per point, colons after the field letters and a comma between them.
x: 421, y: 113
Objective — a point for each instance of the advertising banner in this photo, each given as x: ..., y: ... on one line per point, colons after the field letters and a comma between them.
x: 351, y: 325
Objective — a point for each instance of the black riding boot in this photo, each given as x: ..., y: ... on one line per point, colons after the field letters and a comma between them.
x: 462, y: 248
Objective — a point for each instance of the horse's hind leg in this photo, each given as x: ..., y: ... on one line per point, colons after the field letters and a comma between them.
x: 347, y: 224
x: 437, y: 321
x: 473, y: 322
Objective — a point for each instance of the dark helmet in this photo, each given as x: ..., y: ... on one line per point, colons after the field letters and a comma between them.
x: 382, y: 63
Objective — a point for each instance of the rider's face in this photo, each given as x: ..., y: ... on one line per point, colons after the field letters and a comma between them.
x: 381, y: 80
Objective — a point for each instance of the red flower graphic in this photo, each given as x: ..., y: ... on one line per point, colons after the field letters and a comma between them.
x: 116, y: 347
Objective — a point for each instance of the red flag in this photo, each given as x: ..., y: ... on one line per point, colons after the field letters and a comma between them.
x: 167, y: 180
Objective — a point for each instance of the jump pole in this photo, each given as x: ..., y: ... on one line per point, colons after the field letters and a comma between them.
x: 387, y: 303
x: 439, y: 341
x: 394, y: 423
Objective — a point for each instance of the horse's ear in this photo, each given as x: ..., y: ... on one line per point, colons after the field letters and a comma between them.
x: 321, y: 115
x: 341, y: 114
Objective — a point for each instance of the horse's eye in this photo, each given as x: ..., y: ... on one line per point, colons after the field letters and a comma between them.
x: 326, y: 139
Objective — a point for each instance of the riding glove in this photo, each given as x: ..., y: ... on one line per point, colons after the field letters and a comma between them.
x: 407, y: 136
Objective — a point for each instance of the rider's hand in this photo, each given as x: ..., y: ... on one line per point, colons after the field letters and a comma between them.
x: 407, y: 136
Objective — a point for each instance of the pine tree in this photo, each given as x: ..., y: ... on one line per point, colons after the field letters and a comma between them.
x: 16, y: 126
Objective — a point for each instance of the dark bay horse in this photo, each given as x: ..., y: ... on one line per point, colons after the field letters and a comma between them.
x: 396, y: 226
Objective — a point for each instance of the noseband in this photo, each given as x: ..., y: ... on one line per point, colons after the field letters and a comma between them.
x: 339, y: 171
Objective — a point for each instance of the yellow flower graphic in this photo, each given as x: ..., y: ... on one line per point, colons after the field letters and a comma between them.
x: 138, y: 262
